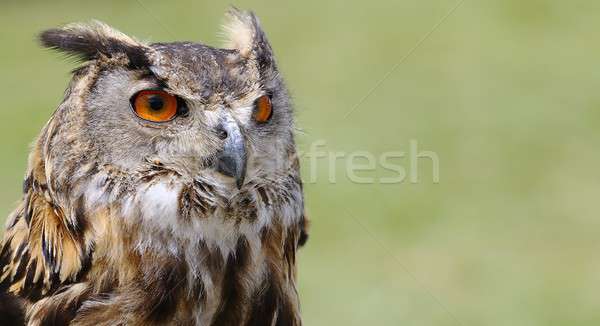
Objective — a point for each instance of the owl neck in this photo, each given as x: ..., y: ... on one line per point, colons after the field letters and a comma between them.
x: 150, y: 261
x: 254, y: 283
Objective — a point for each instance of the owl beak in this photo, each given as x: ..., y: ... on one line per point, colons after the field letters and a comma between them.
x: 231, y: 161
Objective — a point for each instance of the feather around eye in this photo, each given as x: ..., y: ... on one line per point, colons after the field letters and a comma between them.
x: 263, y: 109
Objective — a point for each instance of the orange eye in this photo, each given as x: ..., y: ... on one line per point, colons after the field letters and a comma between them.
x: 155, y: 105
x: 264, y: 109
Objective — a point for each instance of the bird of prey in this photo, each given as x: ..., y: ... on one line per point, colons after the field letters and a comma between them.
x: 164, y: 190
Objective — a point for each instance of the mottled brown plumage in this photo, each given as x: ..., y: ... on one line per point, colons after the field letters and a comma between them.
x: 191, y: 221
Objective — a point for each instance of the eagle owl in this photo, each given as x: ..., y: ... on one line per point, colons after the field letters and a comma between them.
x: 164, y: 190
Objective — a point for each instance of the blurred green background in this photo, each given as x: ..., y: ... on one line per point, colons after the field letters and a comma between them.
x: 506, y: 92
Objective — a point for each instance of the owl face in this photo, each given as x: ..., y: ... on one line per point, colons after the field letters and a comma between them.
x: 194, y: 109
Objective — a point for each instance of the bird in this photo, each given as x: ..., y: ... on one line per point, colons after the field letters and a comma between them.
x: 165, y: 189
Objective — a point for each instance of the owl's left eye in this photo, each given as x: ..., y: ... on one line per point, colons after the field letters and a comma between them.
x: 263, y: 109
x: 155, y: 105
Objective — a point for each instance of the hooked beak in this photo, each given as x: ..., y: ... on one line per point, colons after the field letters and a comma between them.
x: 231, y: 161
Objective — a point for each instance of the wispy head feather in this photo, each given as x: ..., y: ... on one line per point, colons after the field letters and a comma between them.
x: 244, y: 33
x: 89, y: 41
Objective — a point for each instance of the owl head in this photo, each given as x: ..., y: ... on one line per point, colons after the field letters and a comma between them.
x: 197, y: 110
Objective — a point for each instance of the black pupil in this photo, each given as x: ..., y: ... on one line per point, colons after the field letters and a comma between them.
x: 155, y: 103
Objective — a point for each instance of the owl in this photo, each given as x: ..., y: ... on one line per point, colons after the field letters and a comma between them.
x: 164, y: 190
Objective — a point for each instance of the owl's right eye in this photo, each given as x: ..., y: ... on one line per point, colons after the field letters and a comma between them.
x: 155, y: 105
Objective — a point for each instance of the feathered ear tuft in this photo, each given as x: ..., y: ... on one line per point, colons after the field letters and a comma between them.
x: 89, y: 41
x: 244, y: 34
x: 240, y: 31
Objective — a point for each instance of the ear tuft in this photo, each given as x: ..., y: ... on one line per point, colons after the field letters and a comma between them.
x: 89, y: 41
x: 239, y: 31
x: 244, y: 33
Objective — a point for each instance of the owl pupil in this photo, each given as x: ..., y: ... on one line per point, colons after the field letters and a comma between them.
x: 155, y: 103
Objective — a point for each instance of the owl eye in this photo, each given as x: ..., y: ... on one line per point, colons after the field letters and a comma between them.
x: 155, y: 105
x: 263, y: 109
